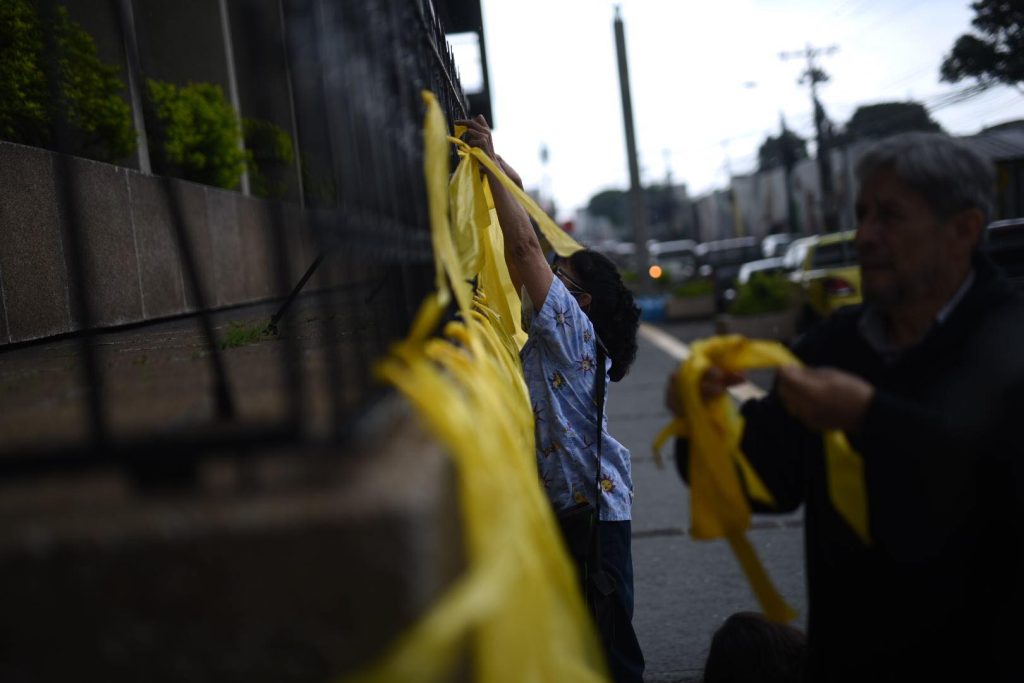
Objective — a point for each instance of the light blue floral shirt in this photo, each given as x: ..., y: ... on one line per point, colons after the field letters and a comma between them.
x: 559, y: 363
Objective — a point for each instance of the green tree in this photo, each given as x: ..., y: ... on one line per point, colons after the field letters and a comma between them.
x: 774, y: 150
x: 196, y: 134
x: 269, y: 150
x: 888, y: 118
x: 610, y: 204
x: 994, y: 53
x: 98, y: 118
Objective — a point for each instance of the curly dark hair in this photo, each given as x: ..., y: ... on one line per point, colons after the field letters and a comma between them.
x: 612, y: 310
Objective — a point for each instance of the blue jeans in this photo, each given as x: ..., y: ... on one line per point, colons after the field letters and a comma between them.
x: 625, y: 659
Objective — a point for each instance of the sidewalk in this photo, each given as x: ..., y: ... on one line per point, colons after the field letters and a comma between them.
x: 685, y: 588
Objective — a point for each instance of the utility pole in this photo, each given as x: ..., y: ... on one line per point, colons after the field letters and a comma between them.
x: 788, y: 162
x: 813, y: 75
x: 637, y: 212
x: 669, y: 205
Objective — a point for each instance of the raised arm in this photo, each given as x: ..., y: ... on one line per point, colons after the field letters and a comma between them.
x: 523, y: 253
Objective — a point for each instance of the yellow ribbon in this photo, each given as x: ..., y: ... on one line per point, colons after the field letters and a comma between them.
x: 721, y: 477
x: 517, y: 605
x: 560, y: 241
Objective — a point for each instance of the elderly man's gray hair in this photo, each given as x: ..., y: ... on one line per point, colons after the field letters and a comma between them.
x: 946, y: 172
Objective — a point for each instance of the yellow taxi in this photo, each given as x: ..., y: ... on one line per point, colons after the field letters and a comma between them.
x: 829, y: 277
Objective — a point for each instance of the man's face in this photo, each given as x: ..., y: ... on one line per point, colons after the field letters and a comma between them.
x: 905, y: 251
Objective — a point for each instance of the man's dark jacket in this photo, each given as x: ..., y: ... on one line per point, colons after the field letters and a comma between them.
x: 937, y: 595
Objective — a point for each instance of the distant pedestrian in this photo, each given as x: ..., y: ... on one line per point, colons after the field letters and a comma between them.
x: 926, y: 379
x: 749, y: 648
x: 582, y: 326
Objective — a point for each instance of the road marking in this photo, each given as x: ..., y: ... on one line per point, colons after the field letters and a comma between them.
x: 665, y: 341
x: 680, y: 352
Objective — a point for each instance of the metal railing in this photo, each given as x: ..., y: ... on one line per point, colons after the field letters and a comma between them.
x: 356, y: 71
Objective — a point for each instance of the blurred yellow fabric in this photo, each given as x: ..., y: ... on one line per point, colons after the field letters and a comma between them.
x: 720, y: 475
x: 516, y: 613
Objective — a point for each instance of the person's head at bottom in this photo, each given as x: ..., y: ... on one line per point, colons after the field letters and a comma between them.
x: 750, y: 648
x: 597, y: 285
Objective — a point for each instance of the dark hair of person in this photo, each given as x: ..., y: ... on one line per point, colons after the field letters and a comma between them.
x: 750, y: 647
x: 612, y: 310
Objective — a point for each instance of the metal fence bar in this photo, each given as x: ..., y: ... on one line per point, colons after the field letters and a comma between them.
x: 221, y: 391
x: 356, y: 69
x: 75, y: 256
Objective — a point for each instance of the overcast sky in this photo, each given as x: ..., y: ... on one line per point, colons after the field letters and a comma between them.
x: 708, y: 83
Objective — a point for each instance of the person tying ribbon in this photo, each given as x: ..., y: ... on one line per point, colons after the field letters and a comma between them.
x: 926, y: 381
x: 582, y: 325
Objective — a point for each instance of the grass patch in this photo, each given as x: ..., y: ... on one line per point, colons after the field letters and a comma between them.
x: 242, y: 334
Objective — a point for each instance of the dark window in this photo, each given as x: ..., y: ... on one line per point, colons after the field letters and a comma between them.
x: 833, y: 255
x: 732, y: 255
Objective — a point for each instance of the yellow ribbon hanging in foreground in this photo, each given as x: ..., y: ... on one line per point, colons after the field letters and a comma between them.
x: 718, y: 497
x: 517, y: 605
x: 560, y: 241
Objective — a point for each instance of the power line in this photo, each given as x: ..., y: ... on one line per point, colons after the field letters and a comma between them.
x: 813, y: 75
x: 901, y: 80
x: 891, y: 15
x: 997, y: 106
x: 857, y: 9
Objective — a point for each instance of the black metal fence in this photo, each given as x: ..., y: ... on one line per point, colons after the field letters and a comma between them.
x: 351, y: 246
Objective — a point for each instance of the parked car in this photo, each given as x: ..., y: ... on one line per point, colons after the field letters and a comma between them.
x: 749, y: 269
x: 775, y: 245
x: 765, y: 266
x: 830, y: 277
x: 1004, y: 243
x: 673, y: 261
x: 721, y: 260
x: 796, y: 253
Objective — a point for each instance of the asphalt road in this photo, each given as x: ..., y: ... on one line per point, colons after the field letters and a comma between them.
x: 686, y: 588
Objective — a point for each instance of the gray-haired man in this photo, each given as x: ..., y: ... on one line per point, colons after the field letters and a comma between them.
x: 927, y: 380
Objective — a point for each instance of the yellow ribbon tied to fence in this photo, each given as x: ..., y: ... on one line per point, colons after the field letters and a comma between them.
x: 721, y: 477
x: 516, y: 612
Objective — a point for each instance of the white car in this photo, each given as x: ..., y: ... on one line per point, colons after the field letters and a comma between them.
x: 766, y: 265
x: 796, y: 253
x: 775, y: 245
x: 676, y: 259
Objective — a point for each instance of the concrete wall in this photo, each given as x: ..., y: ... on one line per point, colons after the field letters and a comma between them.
x: 134, y: 270
x: 289, y: 567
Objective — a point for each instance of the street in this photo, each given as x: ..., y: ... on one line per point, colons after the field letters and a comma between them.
x: 686, y: 588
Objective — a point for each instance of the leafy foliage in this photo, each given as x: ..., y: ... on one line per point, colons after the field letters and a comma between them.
x: 781, y: 150
x: 693, y: 288
x: 269, y: 149
x: 888, y: 118
x: 994, y: 53
x: 664, y: 211
x: 98, y: 118
x: 763, y: 293
x: 197, y: 134
x: 611, y: 204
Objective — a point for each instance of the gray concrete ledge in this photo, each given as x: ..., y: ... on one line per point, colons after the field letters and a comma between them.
x: 291, y: 567
x: 682, y: 308
x: 133, y: 265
